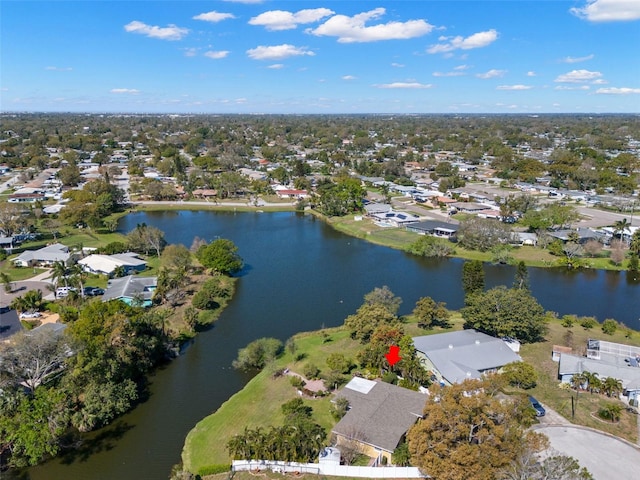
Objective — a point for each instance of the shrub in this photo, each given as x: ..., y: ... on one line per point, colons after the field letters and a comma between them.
x: 113, y: 248
x: 588, y: 322
x: 311, y: 371
x: 296, y: 381
x: 390, y: 377
x: 520, y: 374
x: 258, y: 353
x: 609, y: 326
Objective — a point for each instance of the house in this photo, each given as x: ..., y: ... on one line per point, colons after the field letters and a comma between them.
x: 622, y: 368
x: 394, y: 219
x: 131, y: 290
x: 375, y: 208
x: 434, y: 228
x: 45, y: 256
x: 291, y: 193
x: 456, y: 356
x: 379, y: 416
x: 107, y: 264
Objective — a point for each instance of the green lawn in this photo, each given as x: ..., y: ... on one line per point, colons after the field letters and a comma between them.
x: 549, y: 392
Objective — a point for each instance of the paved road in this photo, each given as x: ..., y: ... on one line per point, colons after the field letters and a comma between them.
x: 605, y: 456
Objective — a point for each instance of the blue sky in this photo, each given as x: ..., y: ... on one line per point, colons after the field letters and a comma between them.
x: 251, y: 56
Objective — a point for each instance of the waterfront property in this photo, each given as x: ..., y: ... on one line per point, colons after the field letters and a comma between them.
x: 131, y: 290
x: 379, y: 416
x: 434, y: 228
x: 606, y: 359
x: 108, y: 264
x: 456, y: 356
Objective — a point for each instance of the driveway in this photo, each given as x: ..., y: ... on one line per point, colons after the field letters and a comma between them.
x: 22, y: 287
x: 605, y: 456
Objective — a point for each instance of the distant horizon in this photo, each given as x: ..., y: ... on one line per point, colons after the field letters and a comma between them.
x: 315, y: 57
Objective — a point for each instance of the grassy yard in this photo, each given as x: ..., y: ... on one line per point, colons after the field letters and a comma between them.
x: 550, y: 393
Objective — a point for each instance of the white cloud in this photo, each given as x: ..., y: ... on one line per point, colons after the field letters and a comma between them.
x: 397, y: 65
x: 449, y: 74
x: 599, y: 81
x: 578, y: 76
x: 348, y: 77
x: 608, y: 10
x: 283, y: 20
x: 354, y: 29
x: 477, y: 40
x: 493, y: 73
x: 572, y: 87
x: 531, y: 74
x: 618, y: 91
x: 277, y: 52
x: 216, y: 55
x: 408, y: 85
x: 213, y: 16
x: 59, y: 69
x: 577, y: 59
x: 190, y: 52
x: 130, y: 91
x: 461, y: 67
x: 172, y: 32
x: 276, y: 66
x: 514, y: 87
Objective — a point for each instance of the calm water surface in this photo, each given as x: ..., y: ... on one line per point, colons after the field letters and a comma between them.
x: 300, y: 275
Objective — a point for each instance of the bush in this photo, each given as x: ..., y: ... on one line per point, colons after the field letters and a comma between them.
x: 214, y: 469
x: 520, y: 375
x: 113, y: 248
x: 311, y: 371
x: 390, y: 377
x: 258, y: 353
x: 296, y: 381
x: 609, y: 326
x: 588, y: 322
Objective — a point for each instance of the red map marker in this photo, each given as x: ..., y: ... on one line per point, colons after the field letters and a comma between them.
x: 392, y: 356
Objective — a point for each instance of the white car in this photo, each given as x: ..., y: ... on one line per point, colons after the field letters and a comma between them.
x: 30, y: 315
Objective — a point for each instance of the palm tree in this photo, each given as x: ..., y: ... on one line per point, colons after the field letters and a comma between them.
x: 5, y: 279
x: 578, y: 380
x: 593, y: 381
x: 78, y: 276
x: 611, y: 411
x: 620, y: 226
x: 611, y: 387
x: 59, y: 273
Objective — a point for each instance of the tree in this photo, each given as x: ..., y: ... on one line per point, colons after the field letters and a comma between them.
x: 339, y: 363
x: 520, y: 375
x: 220, y: 255
x: 611, y: 387
x: 504, y: 312
x: 472, y: 277
x: 431, y: 314
x: 467, y: 434
x: 385, y: 297
x: 521, y: 280
x: 145, y: 239
x: 431, y: 247
x: 59, y: 274
x: 31, y: 427
x: 483, y: 234
x: 529, y: 466
x: 33, y: 358
x: 609, y: 326
x: 610, y: 411
x: 368, y: 317
x: 339, y: 408
x: 401, y: 456
x: 620, y: 227
x: 258, y: 353
x: 176, y: 257
x: 342, y: 197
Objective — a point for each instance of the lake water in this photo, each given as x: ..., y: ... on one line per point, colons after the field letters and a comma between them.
x: 300, y: 275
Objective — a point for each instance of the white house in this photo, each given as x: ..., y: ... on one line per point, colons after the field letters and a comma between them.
x: 45, y: 256
x: 107, y: 264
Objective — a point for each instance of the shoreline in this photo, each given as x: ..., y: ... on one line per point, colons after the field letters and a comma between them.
x: 392, y: 237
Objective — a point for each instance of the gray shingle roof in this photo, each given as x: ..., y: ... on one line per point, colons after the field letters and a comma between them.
x: 127, y: 287
x: 380, y: 413
x: 629, y: 376
x: 464, y: 354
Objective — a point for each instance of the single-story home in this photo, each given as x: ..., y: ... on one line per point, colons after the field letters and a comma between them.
x: 379, y: 416
x: 375, y: 208
x: 394, y: 219
x: 107, y: 264
x: 291, y: 193
x: 435, y: 228
x: 46, y: 256
x: 456, y: 356
x: 131, y: 290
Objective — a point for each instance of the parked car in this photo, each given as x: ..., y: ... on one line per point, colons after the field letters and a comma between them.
x: 93, y: 291
x: 24, y: 315
x: 62, y: 292
x: 540, y: 411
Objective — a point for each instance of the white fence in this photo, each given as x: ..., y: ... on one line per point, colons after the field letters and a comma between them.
x: 327, y: 469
